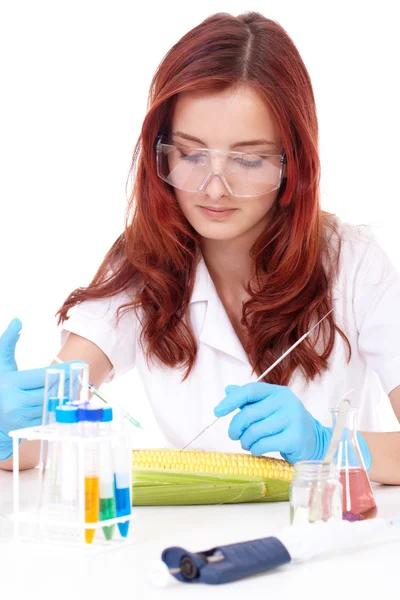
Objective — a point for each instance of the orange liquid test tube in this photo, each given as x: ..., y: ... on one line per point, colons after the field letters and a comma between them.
x: 92, y: 505
x: 89, y: 418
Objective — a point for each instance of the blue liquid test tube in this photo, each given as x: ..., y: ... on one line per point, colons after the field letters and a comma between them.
x: 107, y: 494
x: 122, y: 487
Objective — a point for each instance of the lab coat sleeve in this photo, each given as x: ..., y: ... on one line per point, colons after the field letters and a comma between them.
x: 376, y: 303
x: 96, y: 320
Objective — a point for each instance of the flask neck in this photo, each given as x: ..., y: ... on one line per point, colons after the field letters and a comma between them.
x: 348, y: 454
x: 351, y: 420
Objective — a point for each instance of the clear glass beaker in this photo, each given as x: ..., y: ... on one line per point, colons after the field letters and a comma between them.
x: 308, y: 475
x: 358, y: 498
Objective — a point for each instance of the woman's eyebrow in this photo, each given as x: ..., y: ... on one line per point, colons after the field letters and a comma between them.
x: 191, y: 138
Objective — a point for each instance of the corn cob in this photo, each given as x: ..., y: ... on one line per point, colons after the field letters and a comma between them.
x: 172, y: 477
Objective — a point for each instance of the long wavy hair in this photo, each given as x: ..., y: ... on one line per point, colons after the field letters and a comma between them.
x: 157, y: 253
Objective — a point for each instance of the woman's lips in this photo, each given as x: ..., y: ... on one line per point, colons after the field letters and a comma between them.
x: 217, y: 213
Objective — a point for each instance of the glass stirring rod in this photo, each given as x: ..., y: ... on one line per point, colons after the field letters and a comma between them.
x: 96, y: 392
x: 265, y: 373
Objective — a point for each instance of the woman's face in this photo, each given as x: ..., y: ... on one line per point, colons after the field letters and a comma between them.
x: 219, y: 120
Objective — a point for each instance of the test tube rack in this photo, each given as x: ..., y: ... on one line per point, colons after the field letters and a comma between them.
x: 35, y: 523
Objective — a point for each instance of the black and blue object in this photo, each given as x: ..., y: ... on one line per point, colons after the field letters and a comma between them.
x: 224, y: 564
x: 294, y: 543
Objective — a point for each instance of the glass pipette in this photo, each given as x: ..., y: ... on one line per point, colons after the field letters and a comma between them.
x: 103, y: 398
x: 265, y: 373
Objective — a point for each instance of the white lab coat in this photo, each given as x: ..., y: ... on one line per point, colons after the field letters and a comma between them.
x: 367, y: 300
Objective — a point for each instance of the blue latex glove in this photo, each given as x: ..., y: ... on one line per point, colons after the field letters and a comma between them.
x: 21, y: 392
x: 273, y: 419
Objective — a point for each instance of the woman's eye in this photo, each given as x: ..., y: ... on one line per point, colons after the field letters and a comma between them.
x: 249, y: 163
x: 192, y: 157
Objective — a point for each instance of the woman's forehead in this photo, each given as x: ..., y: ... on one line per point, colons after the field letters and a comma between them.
x: 224, y: 117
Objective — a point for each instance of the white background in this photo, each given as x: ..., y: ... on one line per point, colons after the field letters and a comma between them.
x: 74, y: 78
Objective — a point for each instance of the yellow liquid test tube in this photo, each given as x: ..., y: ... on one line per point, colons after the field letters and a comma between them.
x: 89, y: 417
x: 92, y: 505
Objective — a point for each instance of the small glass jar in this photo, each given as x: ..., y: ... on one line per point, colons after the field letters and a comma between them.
x: 311, y: 477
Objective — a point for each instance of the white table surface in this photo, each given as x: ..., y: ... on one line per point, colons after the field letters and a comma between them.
x: 39, y: 571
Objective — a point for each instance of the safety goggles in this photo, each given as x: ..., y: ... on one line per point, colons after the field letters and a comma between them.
x: 244, y: 174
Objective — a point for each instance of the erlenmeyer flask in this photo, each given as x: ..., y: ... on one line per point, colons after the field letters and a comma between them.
x: 358, y: 498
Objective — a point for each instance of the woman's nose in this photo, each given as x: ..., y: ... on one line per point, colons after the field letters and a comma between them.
x: 215, y: 186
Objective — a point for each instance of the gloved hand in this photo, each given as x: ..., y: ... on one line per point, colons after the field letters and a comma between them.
x: 21, y: 392
x: 273, y: 419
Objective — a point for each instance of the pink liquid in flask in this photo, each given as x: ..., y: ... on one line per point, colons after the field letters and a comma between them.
x: 358, y: 502
x: 358, y: 498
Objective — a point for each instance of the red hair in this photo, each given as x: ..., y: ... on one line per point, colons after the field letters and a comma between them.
x: 157, y: 254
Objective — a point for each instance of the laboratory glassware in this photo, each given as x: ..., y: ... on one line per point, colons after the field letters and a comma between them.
x: 104, y: 399
x: 358, y: 497
x: 308, y: 475
x: 66, y: 420
x: 107, y: 496
x: 89, y: 418
x: 122, y: 486
x: 79, y: 383
x: 319, y: 490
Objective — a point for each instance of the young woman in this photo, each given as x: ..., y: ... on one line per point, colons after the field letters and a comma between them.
x: 227, y: 259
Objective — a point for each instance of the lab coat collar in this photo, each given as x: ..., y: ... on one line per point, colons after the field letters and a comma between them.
x: 203, y: 284
x: 217, y: 330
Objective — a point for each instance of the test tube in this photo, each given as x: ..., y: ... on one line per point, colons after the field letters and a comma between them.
x: 50, y: 451
x: 54, y: 385
x: 122, y: 487
x: 51, y: 410
x: 79, y: 383
x: 89, y: 418
x: 107, y: 498
x: 67, y: 419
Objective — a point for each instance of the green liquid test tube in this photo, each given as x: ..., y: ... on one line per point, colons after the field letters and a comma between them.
x: 107, y: 511
x: 107, y: 497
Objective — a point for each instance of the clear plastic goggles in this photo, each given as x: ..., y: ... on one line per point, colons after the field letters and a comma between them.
x: 244, y: 174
